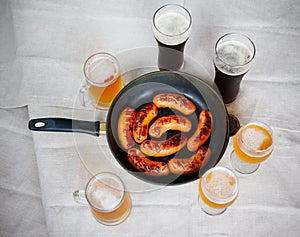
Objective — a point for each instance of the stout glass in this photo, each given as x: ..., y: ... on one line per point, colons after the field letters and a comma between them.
x: 233, y: 57
x: 171, y: 27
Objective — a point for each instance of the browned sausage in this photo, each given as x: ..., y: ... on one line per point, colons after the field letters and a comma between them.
x: 170, y: 122
x: 143, y: 164
x: 142, y: 120
x: 203, y: 131
x: 125, y: 128
x: 164, y: 148
x: 190, y: 165
x: 174, y: 101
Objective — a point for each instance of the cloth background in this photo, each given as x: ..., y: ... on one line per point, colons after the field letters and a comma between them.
x: 43, y: 45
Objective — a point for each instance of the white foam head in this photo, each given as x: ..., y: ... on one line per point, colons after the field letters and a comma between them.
x: 253, y: 138
x: 234, y: 54
x: 101, y: 69
x: 105, y: 192
x: 220, y: 185
x: 171, y: 24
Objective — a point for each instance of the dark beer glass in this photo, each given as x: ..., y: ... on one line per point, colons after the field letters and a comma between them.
x: 234, y: 54
x: 171, y: 27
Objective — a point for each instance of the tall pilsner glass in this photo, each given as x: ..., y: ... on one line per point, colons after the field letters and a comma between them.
x: 234, y: 54
x: 171, y: 27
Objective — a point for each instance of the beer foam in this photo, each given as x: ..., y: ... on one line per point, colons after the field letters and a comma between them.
x: 234, y: 53
x: 171, y: 28
x: 220, y: 184
x: 101, y: 70
x: 256, y: 138
x: 104, y: 194
x: 233, y: 57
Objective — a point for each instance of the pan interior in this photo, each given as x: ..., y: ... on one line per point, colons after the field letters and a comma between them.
x: 142, y: 90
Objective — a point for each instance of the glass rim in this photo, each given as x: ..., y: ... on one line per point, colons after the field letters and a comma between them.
x: 239, y: 34
x: 115, y: 177
x: 109, y: 56
x: 175, y: 5
x: 244, y: 146
x: 216, y: 200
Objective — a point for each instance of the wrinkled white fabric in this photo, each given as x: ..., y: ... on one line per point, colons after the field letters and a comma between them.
x: 43, y: 46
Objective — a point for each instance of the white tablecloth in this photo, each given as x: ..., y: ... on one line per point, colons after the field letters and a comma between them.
x: 43, y: 45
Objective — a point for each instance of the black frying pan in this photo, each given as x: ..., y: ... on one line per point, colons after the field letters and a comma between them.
x: 140, y: 92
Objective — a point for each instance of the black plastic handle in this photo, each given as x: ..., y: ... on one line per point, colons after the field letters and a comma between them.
x: 64, y: 125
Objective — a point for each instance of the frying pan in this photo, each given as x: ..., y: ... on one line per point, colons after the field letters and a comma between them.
x: 140, y: 92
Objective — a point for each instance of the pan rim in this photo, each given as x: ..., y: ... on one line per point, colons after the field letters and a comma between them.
x: 190, y: 79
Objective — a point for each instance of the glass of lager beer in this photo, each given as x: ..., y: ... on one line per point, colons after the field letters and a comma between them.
x: 103, y: 80
x: 171, y: 27
x: 105, y: 193
x: 234, y: 54
x: 252, y: 144
x: 218, y: 189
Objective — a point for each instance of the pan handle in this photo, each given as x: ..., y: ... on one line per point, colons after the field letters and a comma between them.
x: 67, y: 125
x: 234, y: 124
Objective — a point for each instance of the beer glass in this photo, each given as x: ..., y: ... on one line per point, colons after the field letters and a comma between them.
x: 171, y: 27
x: 105, y: 193
x: 218, y: 189
x: 252, y: 144
x: 234, y: 54
x: 103, y: 80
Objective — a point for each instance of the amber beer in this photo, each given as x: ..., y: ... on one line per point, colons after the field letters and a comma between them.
x: 252, y: 145
x: 233, y: 57
x: 109, y: 202
x: 171, y: 27
x: 103, y: 80
x: 218, y: 189
x: 103, y: 96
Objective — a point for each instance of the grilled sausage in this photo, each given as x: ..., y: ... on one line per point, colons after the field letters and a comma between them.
x: 143, y: 164
x: 174, y: 101
x: 203, y: 131
x: 125, y: 128
x: 170, y: 122
x: 184, y: 166
x: 164, y: 148
x: 142, y: 120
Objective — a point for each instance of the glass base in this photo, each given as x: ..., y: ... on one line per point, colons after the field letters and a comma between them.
x: 242, y: 166
x: 209, y: 210
x: 112, y: 223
